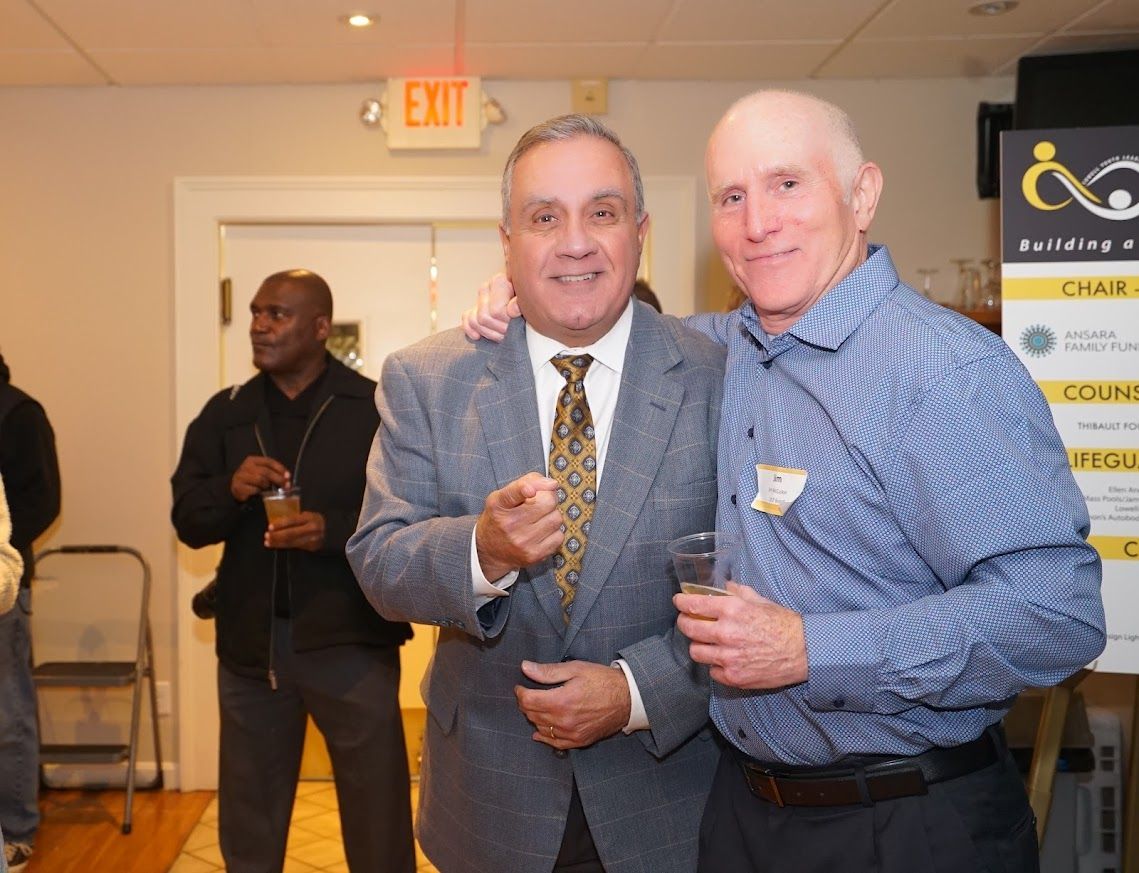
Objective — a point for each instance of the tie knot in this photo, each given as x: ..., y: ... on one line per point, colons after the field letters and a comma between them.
x: 572, y: 367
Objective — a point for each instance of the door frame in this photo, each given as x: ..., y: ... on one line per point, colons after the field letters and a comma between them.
x: 202, y: 205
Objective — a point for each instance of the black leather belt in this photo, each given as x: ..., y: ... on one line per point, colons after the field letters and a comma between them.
x: 868, y: 783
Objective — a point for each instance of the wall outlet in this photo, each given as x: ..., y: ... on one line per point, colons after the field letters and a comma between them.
x: 162, y: 692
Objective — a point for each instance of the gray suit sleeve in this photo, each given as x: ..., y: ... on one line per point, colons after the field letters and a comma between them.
x: 412, y: 564
x: 673, y: 689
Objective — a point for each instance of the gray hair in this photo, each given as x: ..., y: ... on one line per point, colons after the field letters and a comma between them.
x: 559, y: 129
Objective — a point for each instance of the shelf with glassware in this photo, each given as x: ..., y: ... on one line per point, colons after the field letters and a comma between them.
x: 974, y: 297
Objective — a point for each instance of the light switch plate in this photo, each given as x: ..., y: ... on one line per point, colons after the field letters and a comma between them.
x: 590, y: 96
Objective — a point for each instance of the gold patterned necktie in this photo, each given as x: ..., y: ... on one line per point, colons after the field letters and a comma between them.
x: 573, y: 463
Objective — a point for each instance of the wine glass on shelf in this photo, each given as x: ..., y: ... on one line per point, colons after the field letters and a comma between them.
x: 991, y: 292
x: 926, y: 288
x: 968, y: 284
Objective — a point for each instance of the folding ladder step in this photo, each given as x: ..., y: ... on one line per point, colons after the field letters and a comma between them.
x: 64, y: 674
x: 83, y: 753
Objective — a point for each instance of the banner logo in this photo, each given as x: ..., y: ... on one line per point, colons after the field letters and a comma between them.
x: 1120, y: 206
x: 1038, y: 340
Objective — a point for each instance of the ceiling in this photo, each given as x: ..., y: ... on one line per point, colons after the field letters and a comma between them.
x: 215, y: 42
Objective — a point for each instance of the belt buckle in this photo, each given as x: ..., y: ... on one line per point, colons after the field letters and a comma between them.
x: 766, y: 780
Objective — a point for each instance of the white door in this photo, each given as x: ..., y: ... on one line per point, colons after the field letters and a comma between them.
x: 393, y: 283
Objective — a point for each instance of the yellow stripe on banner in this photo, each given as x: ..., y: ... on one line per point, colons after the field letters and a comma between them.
x: 1116, y: 548
x: 1090, y: 392
x: 1072, y: 288
x: 1104, y: 460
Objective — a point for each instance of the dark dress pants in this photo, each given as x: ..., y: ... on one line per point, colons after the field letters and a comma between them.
x: 980, y: 823
x: 352, y: 693
x: 577, y: 853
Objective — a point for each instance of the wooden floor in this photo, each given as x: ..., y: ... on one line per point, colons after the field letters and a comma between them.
x: 81, y: 832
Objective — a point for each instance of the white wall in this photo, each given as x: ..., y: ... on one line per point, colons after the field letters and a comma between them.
x: 86, y: 301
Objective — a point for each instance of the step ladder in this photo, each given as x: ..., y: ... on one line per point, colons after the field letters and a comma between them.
x: 108, y: 674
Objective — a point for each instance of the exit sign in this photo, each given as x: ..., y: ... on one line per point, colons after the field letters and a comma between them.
x: 434, y: 113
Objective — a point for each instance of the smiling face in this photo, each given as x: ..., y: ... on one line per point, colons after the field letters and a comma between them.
x: 788, y: 227
x: 574, y: 241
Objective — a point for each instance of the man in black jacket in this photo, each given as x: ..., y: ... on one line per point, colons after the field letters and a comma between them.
x: 30, y: 470
x: 294, y: 633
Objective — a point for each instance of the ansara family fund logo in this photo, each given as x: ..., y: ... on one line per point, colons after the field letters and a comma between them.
x: 1107, y: 191
x: 1038, y: 340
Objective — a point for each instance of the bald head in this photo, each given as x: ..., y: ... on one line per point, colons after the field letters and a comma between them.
x: 314, y: 290
x: 791, y: 200
x: 774, y: 107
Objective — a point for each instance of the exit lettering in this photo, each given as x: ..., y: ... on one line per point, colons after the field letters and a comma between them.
x: 434, y: 102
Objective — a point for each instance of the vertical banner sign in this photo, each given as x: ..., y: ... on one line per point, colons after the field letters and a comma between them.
x: 1070, y: 282
x: 434, y: 113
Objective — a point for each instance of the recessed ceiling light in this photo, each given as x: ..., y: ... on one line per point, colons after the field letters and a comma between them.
x: 994, y: 7
x: 360, y: 19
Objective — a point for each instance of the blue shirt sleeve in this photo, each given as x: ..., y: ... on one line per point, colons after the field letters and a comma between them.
x: 981, y: 486
x: 713, y: 325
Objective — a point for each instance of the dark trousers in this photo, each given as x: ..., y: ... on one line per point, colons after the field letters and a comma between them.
x: 577, y: 854
x: 352, y: 693
x: 980, y: 823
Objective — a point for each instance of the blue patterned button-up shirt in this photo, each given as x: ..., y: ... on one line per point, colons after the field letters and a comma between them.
x: 938, y: 551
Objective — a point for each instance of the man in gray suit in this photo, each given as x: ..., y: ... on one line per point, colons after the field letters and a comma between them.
x: 567, y: 725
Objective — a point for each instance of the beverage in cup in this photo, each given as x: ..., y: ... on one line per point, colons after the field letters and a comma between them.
x: 282, y: 503
x: 704, y: 562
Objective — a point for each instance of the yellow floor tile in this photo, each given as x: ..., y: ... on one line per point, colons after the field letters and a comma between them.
x: 201, y: 836
x: 314, y: 836
x: 327, y: 824
x: 210, y: 854
x: 190, y: 864
x: 307, y: 787
x: 320, y: 854
x: 298, y: 837
x: 304, y: 809
x: 210, y: 816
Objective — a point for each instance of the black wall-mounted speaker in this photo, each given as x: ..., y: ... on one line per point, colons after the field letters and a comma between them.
x: 992, y: 119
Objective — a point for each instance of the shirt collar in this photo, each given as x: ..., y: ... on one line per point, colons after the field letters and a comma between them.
x: 839, y: 312
x: 609, y: 350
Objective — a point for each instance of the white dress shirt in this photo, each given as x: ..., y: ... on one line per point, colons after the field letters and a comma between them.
x: 602, y: 384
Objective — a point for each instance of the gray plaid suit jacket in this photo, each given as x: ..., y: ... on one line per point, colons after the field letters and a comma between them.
x: 459, y: 420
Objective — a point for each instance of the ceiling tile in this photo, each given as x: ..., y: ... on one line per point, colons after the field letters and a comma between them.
x: 273, y: 65
x: 549, y: 21
x: 552, y: 61
x: 284, y: 41
x: 304, y: 22
x: 47, y: 68
x: 908, y: 18
x: 21, y: 27
x: 917, y: 59
x: 1117, y: 15
x: 735, y: 20
x: 132, y: 24
x: 781, y: 60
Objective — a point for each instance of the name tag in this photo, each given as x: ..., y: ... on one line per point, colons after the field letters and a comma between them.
x: 777, y: 488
